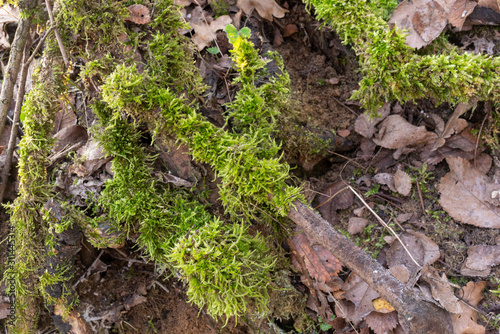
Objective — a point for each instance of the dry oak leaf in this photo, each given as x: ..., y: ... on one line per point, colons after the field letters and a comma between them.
x: 138, y: 14
x: 402, y: 182
x: 480, y: 259
x: 441, y: 290
x: 382, y: 323
x: 334, y: 197
x: 266, y: 8
x: 466, y: 195
x: 466, y: 322
x: 395, y: 132
x: 205, y: 32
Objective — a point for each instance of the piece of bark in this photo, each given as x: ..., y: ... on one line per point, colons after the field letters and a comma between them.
x: 415, y: 314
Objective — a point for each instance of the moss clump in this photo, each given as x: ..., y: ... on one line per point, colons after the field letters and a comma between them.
x: 394, y: 71
x: 30, y: 229
x: 226, y: 268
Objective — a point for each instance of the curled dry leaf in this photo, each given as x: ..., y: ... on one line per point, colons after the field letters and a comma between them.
x: 138, y: 14
x: 395, y: 132
x: 402, y: 182
x: 365, y: 125
x: 480, y: 259
x: 466, y: 195
x: 441, y: 290
x: 382, y: 323
x: 360, y: 293
x: 205, y: 32
x: 466, y: 322
x: 266, y: 8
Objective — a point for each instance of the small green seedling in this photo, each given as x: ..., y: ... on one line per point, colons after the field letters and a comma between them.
x: 233, y: 33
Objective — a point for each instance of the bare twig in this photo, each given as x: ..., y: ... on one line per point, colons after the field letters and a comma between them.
x: 58, y: 37
x: 17, y: 113
x: 488, y: 107
x: 12, y: 71
x: 89, y: 269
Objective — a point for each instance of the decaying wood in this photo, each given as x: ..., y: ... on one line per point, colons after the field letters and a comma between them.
x: 415, y: 314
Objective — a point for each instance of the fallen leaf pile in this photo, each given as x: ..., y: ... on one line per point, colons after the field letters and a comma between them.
x: 426, y: 19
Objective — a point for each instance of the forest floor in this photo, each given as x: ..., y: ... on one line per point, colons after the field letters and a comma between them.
x: 400, y: 179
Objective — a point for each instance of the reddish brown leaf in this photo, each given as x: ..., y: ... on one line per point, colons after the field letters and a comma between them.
x: 139, y: 14
x: 429, y: 20
x: 266, y: 8
x: 320, y: 263
x: 365, y: 125
x: 290, y: 29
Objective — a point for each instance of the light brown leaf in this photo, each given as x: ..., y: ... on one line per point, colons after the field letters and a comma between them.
x: 356, y: 225
x: 402, y: 182
x: 466, y: 195
x: 138, y: 14
x: 365, y: 125
x: 361, y: 294
x: 382, y: 323
x: 266, y: 8
x: 385, y: 179
x: 395, y: 132
x: 441, y: 290
x: 205, y: 32
x: 480, y: 259
x: 466, y: 322
x: 320, y: 263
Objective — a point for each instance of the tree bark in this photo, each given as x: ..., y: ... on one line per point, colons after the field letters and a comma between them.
x: 415, y: 314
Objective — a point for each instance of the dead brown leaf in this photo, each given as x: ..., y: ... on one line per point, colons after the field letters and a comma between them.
x: 441, y: 290
x: 480, y: 259
x: 69, y: 136
x: 205, y: 32
x: 334, y: 197
x: 422, y: 248
x: 365, y: 125
x: 459, y: 12
x: 385, y: 179
x: 361, y: 294
x: 347, y: 310
x: 356, y: 225
x: 395, y: 132
x: 466, y: 322
x: 138, y: 14
x: 290, y: 29
x: 466, y: 195
x: 320, y: 263
x: 402, y: 182
x: 266, y: 8
x: 382, y: 323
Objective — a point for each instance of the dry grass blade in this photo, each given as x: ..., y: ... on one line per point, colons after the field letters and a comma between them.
x: 383, y: 223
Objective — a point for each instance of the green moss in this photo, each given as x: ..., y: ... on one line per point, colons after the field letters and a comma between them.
x: 394, y: 71
x: 228, y: 271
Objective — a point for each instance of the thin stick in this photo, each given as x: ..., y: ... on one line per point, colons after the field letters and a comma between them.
x: 421, y: 198
x: 343, y: 105
x: 488, y: 108
x: 17, y: 113
x: 384, y: 224
x: 343, y: 156
x: 58, y: 37
x: 331, y: 197
x: 88, y: 270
